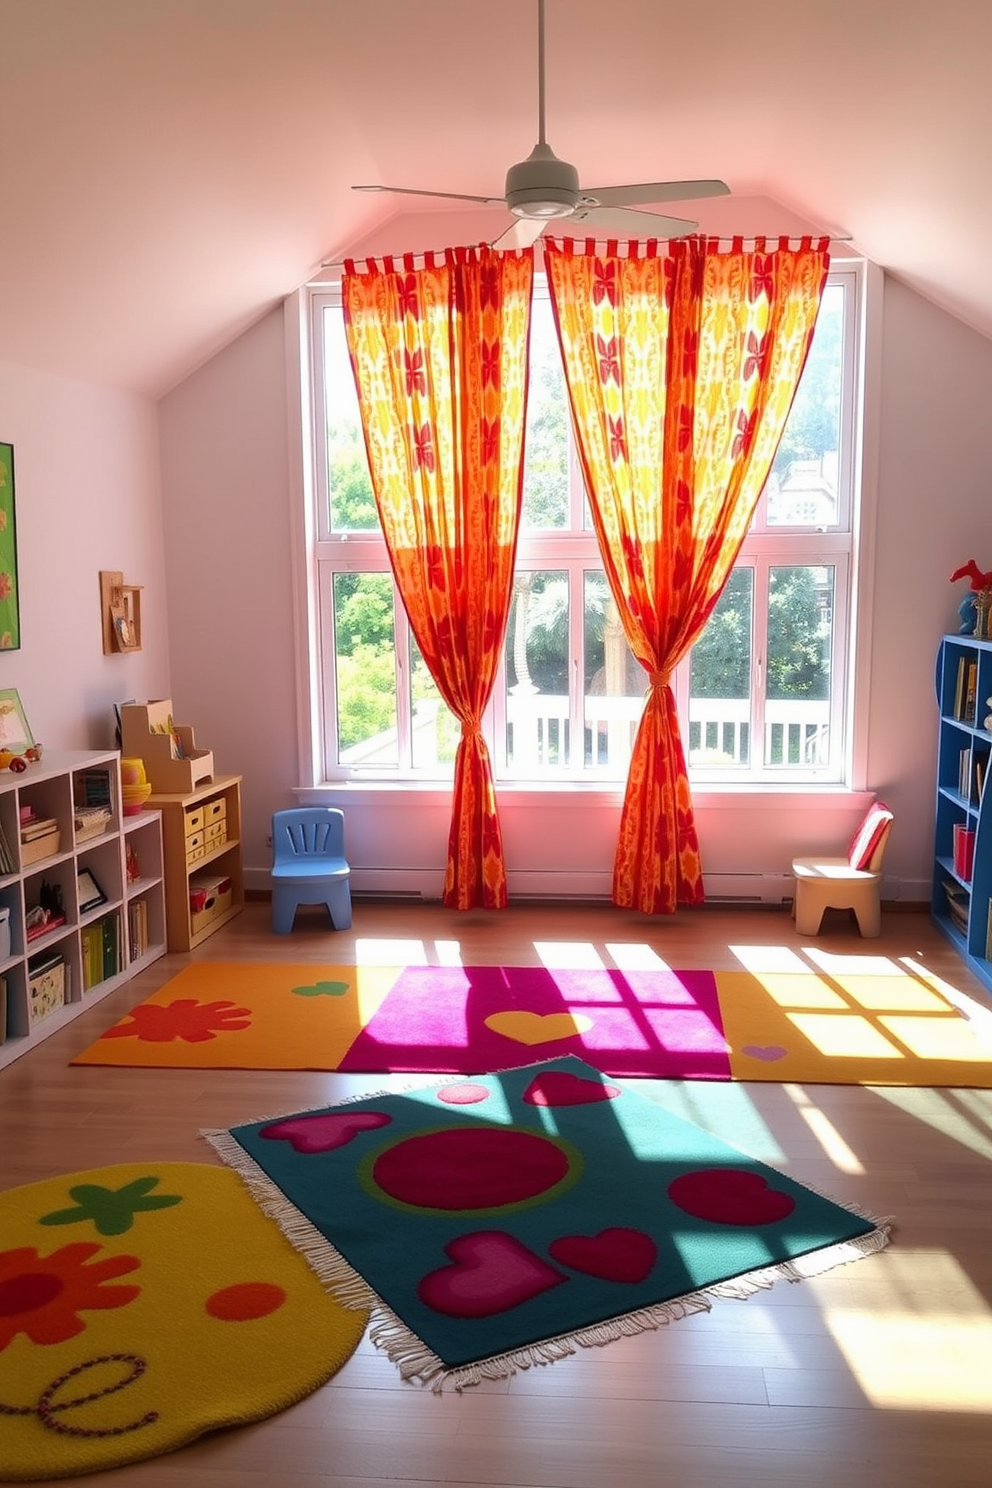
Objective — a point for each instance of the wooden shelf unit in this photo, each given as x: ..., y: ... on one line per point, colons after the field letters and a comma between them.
x: 55, y: 787
x: 201, y: 829
x: 964, y: 756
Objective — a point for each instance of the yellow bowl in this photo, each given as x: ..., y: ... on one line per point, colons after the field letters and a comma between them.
x: 135, y: 797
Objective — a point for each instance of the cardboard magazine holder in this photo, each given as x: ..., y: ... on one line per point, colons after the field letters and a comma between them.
x: 173, y: 764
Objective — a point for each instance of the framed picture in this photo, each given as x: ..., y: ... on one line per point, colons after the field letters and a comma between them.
x: 15, y: 734
x: 90, y: 892
x: 10, y: 611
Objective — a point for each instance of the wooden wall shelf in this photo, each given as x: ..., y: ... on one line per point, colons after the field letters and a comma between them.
x: 120, y: 609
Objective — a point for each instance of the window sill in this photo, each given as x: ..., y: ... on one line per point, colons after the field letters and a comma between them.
x: 795, y: 795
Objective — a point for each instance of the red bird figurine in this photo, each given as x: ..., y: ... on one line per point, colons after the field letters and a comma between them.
x: 970, y: 570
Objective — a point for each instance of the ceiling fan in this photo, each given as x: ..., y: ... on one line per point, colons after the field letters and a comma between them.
x: 543, y: 189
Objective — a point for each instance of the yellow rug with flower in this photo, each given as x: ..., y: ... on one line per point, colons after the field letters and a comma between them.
x: 144, y: 1304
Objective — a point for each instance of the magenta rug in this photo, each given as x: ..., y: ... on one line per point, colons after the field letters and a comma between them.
x: 463, y: 1019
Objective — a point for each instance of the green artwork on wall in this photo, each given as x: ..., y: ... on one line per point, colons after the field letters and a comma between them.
x: 10, y: 619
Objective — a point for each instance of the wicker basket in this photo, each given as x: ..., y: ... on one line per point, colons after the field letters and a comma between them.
x: 91, y: 821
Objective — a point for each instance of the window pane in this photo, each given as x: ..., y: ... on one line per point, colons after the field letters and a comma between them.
x: 349, y: 485
x: 720, y: 680
x: 365, y: 669
x: 802, y: 488
x: 800, y: 636
x: 546, y: 438
x: 435, y: 728
x: 537, y: 703
x: 614, y: 681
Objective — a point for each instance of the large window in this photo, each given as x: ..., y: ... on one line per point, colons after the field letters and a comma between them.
x: 763, y: 696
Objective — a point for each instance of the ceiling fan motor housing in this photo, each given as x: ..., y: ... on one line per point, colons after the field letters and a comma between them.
x: 542, y: 185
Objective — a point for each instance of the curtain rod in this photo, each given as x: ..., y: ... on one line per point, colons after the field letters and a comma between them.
x: 337, y: 265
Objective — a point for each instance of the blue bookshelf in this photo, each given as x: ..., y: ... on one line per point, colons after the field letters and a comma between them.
x: 961, y: 900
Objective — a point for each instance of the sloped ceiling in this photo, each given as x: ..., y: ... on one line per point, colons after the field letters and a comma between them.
x: 170, y: 169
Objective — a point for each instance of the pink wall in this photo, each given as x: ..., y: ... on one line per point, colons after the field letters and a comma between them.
x: 88, y: 498
x: 225, y: 476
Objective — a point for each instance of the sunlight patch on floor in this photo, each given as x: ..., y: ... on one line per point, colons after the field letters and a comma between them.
x: 823, y: 1129
x: 907, y: 1354
x: 770, y: 958
x: 569, y: 955
x: 448, y: 952
x: 380, y: 950
x: 636, y: 958
x: 963, y: 1115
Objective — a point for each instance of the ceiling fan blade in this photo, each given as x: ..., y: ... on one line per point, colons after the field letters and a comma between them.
x: 626, y: 223
x: 655, y: 191
x: 524, y: 232
x: 489, y: 201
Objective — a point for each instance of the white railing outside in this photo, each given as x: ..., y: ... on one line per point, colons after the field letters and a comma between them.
x: 539, y: 734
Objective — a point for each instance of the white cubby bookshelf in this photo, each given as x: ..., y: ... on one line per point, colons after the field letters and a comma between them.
x: 55, y: 788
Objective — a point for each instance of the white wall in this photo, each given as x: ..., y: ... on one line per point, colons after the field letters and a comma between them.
x: 87, y: 498
x: 226, y: 442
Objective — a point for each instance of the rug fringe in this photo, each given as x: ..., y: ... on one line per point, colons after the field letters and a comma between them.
x: 338, y: 1277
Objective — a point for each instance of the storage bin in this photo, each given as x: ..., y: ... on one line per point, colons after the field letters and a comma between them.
x: 41, y: 847
x: 46, y: 990
x: 210, y: 895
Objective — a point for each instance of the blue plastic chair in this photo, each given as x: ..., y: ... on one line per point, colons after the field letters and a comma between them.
x: 309, y: 865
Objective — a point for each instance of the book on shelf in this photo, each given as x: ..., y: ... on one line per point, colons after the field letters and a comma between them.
x: 971, y: 692
x: 93, y: 788
x: 44, y: 961
x: 963, y: 839
x: 959, y: 687
x: 964, y: 772
x: 6, y: 860
x: 111, y: 945
x: 981, y: 770
x: 957, y: 903
x: 38, y: 922
x: 988, y: 935
x: 91, y: 950
x: 37, y: 826
x: 137, y: 927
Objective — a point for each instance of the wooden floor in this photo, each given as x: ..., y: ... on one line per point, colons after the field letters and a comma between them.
x: 879, y: 1373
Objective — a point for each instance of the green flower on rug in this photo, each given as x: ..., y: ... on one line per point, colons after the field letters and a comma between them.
x: 323, y: 989
x: 111, y: 1210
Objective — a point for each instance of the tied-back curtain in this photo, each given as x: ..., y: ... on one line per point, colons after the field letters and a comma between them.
x: 439, y: 354
x: 681, y: 367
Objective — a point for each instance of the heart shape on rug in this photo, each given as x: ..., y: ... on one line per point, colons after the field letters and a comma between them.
x: 308, y: 1134
x: 617, y: 1254
x: 538, y: 1028
x: 730, y: 1196
x: 559, y: 1088
x: 490, y: 1271
x: 768, y: 1052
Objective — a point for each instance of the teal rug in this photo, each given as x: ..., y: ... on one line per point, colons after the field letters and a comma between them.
x: 499, y: 1221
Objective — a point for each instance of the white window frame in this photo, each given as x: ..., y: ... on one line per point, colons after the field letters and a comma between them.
x: 575, y: 551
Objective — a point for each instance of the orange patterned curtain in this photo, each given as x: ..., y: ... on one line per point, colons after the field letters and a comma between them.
x: 440, y: 361
x: 681, y: 371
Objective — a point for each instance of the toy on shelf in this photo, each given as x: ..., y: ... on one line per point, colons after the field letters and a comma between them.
x: 173, y: 764
x: 975, y: 609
